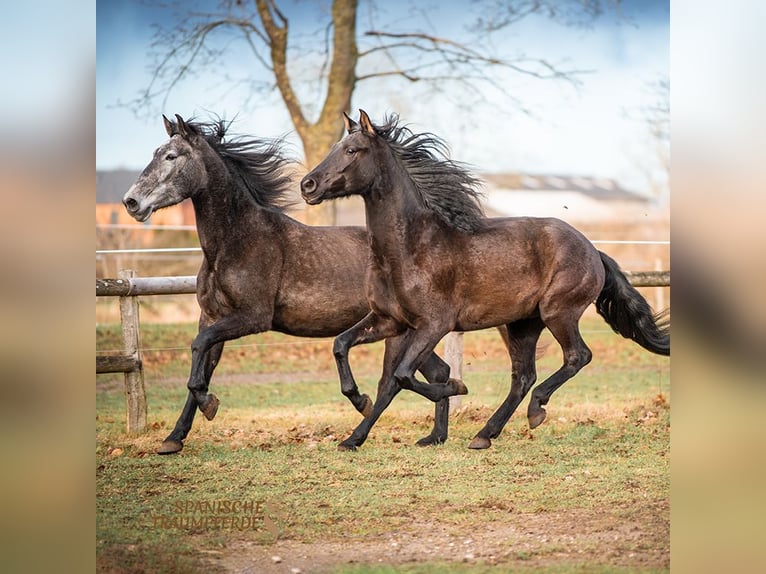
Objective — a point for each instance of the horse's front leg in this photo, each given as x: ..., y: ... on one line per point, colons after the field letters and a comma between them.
x: 411, y: 349
x: 387, y: 390
x: 420, y: 345
x: 436, y: 371
x: 174, y: 441
x: 226, y: 329
x: 372, y: 328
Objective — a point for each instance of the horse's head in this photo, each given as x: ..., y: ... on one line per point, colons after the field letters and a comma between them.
x: 349, y: 168
x: 175, y: 172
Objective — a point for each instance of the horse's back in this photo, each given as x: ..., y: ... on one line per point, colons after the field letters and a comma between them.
x: 514, y: 267
x: 548, y: 242
x: 569, y: 267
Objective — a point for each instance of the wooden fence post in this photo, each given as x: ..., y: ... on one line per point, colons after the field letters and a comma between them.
x: 135, y: 395
x: 453, y: 355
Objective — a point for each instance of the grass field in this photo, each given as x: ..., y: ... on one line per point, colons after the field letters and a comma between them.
x: 262, y: 488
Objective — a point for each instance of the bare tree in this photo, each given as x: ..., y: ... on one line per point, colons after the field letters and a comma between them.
x: 341, y: 56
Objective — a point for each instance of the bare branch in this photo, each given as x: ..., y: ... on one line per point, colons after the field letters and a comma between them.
x: 455, y: 55
x: 326, y: 51
x: 192, y: 41
x: 500, y: 14
x: 421, y: 36
x: 187, y: 48
x: 277, y: 34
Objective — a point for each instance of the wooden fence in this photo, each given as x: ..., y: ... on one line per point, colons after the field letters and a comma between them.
x: 128, y: 287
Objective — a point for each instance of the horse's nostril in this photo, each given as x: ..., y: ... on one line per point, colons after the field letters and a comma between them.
x: 130, y: 203
x: 308, y: 184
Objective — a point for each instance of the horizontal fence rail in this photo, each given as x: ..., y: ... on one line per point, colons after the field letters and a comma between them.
x: 187, y: 284
x: 139, y: 251
x: 146, y: 286
x: 648, y: 278
x: 128, y: 287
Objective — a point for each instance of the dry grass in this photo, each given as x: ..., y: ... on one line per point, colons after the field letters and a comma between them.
x: 588, y: 491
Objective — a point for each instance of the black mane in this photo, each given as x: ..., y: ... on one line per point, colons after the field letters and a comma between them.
x: 256, y: 164
x: 446, y: 187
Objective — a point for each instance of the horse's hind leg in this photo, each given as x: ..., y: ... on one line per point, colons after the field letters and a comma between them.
x: 174, y: 441
x: 576, y: 356
x: 521, y: 341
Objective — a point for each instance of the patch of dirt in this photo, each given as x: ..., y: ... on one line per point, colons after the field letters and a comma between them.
x: 522, y: 541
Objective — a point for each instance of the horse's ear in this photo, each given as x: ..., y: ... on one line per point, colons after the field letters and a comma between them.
x: 183, y: 129
x: 351, y: 125
x: 365, y: 122
x: 169, y: 126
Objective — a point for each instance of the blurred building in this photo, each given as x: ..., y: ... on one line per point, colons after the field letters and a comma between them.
x: 575, y: 199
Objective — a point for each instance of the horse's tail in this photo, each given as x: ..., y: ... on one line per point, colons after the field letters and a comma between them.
x: 629, y: 314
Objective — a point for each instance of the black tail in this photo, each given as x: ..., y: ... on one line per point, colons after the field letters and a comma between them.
x: 629, y: 314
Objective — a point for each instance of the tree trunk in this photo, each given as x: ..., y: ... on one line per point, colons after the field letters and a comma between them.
x: 318, y: 138
x: 315, y: 148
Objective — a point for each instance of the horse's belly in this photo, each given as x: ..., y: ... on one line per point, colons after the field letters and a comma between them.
x: 475, y: 317
x: 319, y: 314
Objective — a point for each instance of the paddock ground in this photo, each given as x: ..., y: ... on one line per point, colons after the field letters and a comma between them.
x: 588, y: 491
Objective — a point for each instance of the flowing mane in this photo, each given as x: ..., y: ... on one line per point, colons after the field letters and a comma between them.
x: 446, y: 187
x: 256, y: 164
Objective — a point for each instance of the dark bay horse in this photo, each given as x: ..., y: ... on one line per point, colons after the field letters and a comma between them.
x: 438, y: 265
x: 258, y: 272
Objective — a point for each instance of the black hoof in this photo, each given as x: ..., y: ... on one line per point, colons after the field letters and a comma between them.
x: 536, y: 418
x: 210, y: 408
x: 479, y: 443
x: 460, y: 388
x: 431, y: 440
x: 170, y: 447
x: 367, y: 408
x: 346, y: 446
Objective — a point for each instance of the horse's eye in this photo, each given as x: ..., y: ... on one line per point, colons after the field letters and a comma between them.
x: 171, y: 157
x: 350, y: 150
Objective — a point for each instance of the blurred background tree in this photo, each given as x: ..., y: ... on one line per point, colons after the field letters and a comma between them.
x: 316, y: 75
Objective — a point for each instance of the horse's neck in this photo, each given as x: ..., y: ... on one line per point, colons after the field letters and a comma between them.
x: 222, y: 209
x: 391, y: 211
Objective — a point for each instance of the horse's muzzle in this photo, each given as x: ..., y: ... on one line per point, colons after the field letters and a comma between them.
x: 133, y: 207
x: 310, y: 191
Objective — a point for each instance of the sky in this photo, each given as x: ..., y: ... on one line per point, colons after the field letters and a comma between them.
x: 594, y: 130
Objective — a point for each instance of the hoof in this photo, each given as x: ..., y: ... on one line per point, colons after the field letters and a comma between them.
x: 346, y: 446
x: 431, y: 440
x: 170, y: 447
x: 211, y: 407
x: 460, y: 387
x: 367, y: 408
x: 536, y: 419
x: 479, y: 443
